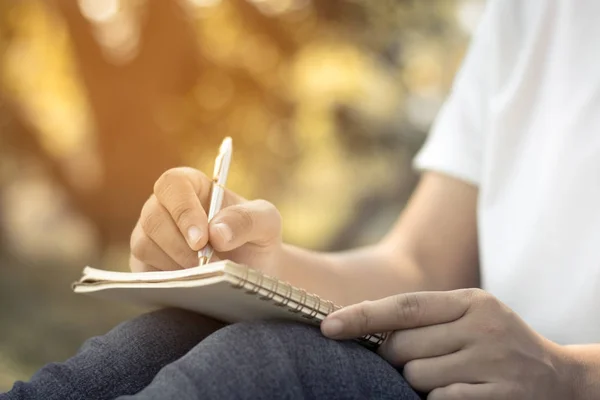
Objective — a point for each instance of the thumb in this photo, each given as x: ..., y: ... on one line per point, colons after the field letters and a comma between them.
x: 256, y: 221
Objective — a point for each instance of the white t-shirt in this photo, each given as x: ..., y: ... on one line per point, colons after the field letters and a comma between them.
x: 523, y: 124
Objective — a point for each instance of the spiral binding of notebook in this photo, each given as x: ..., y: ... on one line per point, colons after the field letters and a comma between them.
x: 309, y: 306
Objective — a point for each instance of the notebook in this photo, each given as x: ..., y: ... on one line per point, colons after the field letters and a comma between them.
x: 223, y: 290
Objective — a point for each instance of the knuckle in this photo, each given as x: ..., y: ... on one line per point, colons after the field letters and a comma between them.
x: 182, y: 213
x: 393, y: 349
x: 266, y: 222
x: 244, y: 217
x: 150, y: 220
x: 270, y: 208
x: 481, y: 299
x: 475, y: 293
x: 363, y: 316
x: 409, y: 307
x: 277, y: 219
x: 492, y: 328
x: 163, y: 183
x: 412, y: 374
x: 487, y: 299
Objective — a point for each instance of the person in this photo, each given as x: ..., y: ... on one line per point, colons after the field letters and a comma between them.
x: 489, y: 282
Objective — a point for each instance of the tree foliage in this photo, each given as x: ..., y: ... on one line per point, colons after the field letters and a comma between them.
x: 326, y: 100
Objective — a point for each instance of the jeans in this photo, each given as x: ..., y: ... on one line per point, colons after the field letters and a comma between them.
x: 175, y: 354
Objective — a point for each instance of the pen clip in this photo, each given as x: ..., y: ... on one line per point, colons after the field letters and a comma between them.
x: 218, y: 166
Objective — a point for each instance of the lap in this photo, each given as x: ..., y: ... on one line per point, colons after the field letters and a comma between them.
x: 177, y: 354
x: 123, y: 361
x: 275, y: 359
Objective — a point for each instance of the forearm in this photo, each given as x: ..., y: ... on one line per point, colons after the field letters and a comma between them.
x: 584, y: 371
x: 353, y: 276
x: 433, y: 246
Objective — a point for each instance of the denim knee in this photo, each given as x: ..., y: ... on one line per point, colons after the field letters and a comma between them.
x: 272, y: 339
x: 278, y: 359
x: 296, y: 359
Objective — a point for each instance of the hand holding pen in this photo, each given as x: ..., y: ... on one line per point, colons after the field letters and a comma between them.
x: 175, y: 231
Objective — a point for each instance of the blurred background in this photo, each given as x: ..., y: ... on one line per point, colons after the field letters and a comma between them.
x: 327, y: 102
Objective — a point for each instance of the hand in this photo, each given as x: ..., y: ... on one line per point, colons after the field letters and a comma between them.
x: 173, y: 226
x: 462, y: 344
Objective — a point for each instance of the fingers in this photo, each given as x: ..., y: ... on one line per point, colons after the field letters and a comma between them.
x: 136, y: 265
x: 185, y: 194
x: 146, y: 255
x: 466, y: 391
x: 256, y: 222
x: 179, y: 191
x: 430, y: 373
x: 161, y: 233
x: 404, y: 311
x: 173, y: 224
x: 431, y: 341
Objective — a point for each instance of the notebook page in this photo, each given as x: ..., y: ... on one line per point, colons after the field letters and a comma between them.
x: 93, y: 274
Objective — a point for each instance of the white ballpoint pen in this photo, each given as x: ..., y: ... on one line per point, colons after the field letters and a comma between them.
x: 221, y: 170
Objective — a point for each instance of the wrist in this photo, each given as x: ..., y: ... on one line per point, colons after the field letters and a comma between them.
x: 312, y: 271
x: 280, y: 263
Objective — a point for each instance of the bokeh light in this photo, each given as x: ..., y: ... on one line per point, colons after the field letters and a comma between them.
x: 327, y: 102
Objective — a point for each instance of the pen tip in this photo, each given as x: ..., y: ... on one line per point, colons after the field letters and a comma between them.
x: 226, y: 145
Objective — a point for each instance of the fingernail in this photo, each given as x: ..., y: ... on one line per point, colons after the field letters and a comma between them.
x: 194, y: 234
x: 332, y: 327
x: 225, y: 231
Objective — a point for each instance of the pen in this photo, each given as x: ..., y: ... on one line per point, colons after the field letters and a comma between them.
x: 220, y: 172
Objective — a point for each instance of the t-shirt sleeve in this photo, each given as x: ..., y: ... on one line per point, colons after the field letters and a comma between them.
x: 455, y: 142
